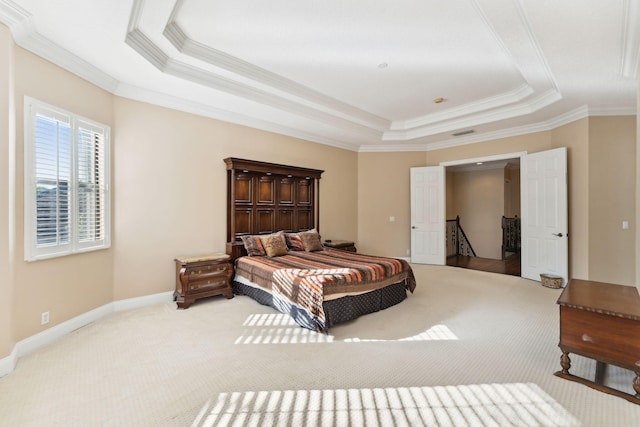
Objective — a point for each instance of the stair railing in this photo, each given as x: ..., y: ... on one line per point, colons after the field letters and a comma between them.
x: 510, y: 235
x: 457, y: 241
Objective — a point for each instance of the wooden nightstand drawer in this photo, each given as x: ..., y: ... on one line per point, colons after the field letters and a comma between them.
x: 204, y: 276
x: 210, y: 270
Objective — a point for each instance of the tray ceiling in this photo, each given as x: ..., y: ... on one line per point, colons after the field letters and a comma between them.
x: 362, y: 75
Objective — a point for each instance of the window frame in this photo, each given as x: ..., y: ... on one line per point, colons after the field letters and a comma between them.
x: 32, y: 250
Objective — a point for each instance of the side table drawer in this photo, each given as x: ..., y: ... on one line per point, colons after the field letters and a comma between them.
x: 202, y: 279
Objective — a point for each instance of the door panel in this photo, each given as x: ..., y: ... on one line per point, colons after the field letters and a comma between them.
x: 544, y: 214
x: 427, y: 215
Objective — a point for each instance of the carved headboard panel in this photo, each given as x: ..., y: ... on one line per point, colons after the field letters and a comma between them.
x: 263, y: 198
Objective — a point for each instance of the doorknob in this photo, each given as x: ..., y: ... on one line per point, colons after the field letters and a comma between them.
x: 413, y: 226
x: 558, y: 234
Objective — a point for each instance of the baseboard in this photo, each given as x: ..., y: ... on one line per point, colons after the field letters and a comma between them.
x: 46, y: 337
x: 131, y: 303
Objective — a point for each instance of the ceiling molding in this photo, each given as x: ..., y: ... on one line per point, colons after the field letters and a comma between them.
x: 11, y: 13
x: 191, y: 48
x: 145, y: 46
x: 340, y: 114
x: 475, y: 167
x: 569, y: 117
x: 630, y: 55
x: 518, y: 94
x: 26, y: 36
x: 538, y: 102
x: 299, y: 111
x: 188, y: 106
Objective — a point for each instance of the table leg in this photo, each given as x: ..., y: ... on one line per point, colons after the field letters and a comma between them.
x: 565, y: 362
x: 601, y: 368
x: 636, y: 384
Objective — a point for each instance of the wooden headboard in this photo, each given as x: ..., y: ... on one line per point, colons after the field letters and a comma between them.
x: 263, y: 198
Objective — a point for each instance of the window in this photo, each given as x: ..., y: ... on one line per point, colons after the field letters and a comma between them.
x: 67, y: 201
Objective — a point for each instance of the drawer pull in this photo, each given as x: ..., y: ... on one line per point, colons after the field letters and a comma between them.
x: 587, y: 338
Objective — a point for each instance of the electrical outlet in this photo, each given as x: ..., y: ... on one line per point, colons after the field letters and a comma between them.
x: 44, y: 318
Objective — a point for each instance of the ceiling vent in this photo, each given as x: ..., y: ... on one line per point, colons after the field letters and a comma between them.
x: 464, y: 132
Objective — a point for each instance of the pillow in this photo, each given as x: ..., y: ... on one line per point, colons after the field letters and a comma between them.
x: 294, y: 241
x: 253, y: 245
x: 311, y: 241
x: 274, y: 244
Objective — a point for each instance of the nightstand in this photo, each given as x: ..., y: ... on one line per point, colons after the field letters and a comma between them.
x: 344, y: 245
x: 202, y: 276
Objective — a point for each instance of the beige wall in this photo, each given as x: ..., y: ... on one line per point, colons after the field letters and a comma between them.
x: 575, y: 136
x: 7, y: 141
x: 171, y: 163
x: 583, y: 142
x: 478, y: 198
x: 71, y: 285
x: 383, y: 191
x: 612, y: 180
x: 512, y: 203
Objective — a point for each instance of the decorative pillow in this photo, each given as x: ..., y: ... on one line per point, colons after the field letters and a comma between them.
x: 274, y: 244
x: 311, y: 241
x: 294, y: 241
x: 253, y: 245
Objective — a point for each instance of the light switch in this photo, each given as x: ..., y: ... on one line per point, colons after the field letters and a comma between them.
x: 392, y: 219
x: 625, y: 225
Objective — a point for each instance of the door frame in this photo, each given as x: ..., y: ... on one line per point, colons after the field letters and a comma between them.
x: 509, y: 156
x: 484, y: 159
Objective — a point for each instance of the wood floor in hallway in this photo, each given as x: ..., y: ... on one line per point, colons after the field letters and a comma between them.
x: 510, y: 266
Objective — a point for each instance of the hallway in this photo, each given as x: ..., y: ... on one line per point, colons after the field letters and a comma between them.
x: 510, y: 266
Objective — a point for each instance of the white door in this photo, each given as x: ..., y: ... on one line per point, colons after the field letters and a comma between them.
x: 428, y: 215
x: 544, y: 225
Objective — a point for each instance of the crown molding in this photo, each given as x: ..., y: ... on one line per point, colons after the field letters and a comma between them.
x: 26, y: 36
x: 339, y: 114
x: 188, y: 106
x: 145, y: 46
x: 193, y: 49
x: 516, y: 95
x: 298, y: 100
x: 11, y: 14
x: 542, y: 100
x: 630, y: 55
x: 566, y: 118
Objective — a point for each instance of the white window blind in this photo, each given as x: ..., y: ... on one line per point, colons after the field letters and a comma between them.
x: 67, y: 203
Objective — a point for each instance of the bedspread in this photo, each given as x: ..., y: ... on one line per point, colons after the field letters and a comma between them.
x: 305, y: 280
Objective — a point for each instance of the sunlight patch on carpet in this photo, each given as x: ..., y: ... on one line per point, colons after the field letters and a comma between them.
x: 516, y: 404
x: 435, y: 333
x: 277, y: 328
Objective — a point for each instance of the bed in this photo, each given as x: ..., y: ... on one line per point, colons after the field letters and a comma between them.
x: 279, y: 260
x: 322, y: 288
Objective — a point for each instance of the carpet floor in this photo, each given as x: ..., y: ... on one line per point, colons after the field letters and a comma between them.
x: 468, y: 348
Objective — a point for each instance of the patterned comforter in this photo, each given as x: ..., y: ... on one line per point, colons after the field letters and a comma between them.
x: 303, y: 281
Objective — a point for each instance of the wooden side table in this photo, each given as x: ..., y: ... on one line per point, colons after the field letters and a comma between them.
x: 601, y: 321
x: 344, y: 245
x: 202, y: 276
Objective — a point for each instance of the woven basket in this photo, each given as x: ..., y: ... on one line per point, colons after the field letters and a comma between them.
x: 551, y: 281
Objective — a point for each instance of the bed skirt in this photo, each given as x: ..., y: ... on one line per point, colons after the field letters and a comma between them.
x: 336, y: 311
